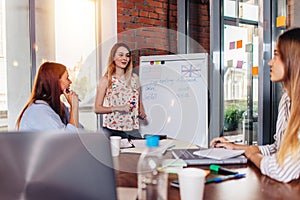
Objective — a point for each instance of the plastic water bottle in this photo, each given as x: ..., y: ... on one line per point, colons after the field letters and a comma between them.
x: 152, y: 181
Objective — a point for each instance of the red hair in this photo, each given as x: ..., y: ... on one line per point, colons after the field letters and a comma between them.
x: 46, y: 87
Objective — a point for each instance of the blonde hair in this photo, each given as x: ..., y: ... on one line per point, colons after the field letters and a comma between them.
x: 289, y: 50
x: 111, y: 69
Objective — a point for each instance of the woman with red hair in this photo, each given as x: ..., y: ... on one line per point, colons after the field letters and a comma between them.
x: 44, y: 109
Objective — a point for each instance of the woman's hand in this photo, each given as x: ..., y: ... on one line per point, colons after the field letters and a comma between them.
x: 72, y: 97
x: 217, y: 140
x: 142, y: 113
x: 226, y: 145
x: 254, y: 155
x: 125, y: 108
x: 222, y: 142
x: 73, y: 100
x: 251, y: 150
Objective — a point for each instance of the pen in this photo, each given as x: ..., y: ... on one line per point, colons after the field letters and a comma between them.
x: 130, y: 142
x: 220, y: 179
x: 221, y: 170
x: 168, y: 148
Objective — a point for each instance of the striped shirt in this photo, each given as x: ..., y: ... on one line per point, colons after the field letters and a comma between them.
x: 269, y: 165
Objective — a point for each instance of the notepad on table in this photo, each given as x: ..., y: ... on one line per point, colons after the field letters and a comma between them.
x: 219, y: 153
x: 191, y: 159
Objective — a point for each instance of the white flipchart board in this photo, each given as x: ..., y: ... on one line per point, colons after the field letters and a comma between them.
x: 175, y: 96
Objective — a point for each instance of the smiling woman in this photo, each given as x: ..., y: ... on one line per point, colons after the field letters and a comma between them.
x: 118, y: 95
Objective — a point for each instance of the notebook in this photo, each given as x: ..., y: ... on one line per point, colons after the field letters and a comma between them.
x: 218, y: 153
x: 56, y: 166
x: 191, y: 159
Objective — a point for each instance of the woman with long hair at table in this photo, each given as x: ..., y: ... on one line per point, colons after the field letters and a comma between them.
x: 280, y: 160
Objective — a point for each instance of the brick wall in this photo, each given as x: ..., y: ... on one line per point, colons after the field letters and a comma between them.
x: 199, y: 26
x: 149, y: 27
x: 290, y: 14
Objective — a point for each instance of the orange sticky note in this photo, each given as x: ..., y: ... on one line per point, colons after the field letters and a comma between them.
x: 280, y: 21
x: 239, y: 44
x: 255, y: 70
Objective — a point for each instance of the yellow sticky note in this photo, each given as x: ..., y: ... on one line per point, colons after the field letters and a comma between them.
x: 239, y: 44
x: 255, y: 70
x: 229, y: 63
x: 157, y: 62
x: 280, y: 21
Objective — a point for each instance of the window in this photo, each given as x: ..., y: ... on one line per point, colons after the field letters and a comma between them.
x: 3, y: 69
x: 71, y: 40
x: 63, y: 31
x: 240, y: 69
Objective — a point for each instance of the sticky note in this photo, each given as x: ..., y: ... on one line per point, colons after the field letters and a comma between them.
x: 239, y: 44
x: 239, y: 64
x: 157, y: 62
x: 229, y: 63
x: 280, y: 21
x: 249, y: 48
x: 231, y: 45
x: 255, y: 70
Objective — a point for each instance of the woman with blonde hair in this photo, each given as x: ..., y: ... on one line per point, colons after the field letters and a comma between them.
x: 44, y: 109
x: 280, y: 160
x: 118, y: 95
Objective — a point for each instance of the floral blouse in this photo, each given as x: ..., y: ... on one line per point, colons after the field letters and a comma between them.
x: 120, y: 94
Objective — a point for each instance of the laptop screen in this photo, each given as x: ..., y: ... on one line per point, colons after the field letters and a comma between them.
x: 56, y: 166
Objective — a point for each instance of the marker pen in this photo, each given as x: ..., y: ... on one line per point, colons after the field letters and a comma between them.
x: 221, y: 170
x: 220, y: 179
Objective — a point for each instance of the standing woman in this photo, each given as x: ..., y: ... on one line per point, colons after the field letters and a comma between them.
x: 44, y: 110
x: 118, y: 95
x: 280, y: 160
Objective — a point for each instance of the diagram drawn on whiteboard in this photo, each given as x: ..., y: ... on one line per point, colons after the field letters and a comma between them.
x: 175, y: 95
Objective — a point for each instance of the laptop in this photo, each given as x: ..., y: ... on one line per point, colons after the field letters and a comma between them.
x: 56, y: 166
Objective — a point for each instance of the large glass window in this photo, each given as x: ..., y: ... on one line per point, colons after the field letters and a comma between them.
x: 71, y: 40
x: 3, y: 77
x: 63, y: 31
x: 240, y: 67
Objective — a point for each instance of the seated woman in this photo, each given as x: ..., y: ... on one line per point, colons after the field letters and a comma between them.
x: 44, y: 109
x: 281, y: 160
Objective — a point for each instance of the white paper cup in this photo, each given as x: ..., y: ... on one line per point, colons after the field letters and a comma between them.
x: 191, y: 182
x: 115, y: 142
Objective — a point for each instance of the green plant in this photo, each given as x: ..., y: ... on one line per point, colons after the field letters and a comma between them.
x: 232, y: 118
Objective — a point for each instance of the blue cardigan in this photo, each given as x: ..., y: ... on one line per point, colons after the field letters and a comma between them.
x: 40, y: 116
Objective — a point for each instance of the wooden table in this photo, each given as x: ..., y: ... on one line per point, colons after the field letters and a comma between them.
x: 254, y: 186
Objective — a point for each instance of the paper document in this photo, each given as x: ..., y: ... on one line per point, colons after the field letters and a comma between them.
x: 218, y: 153
x: 125, y: 144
